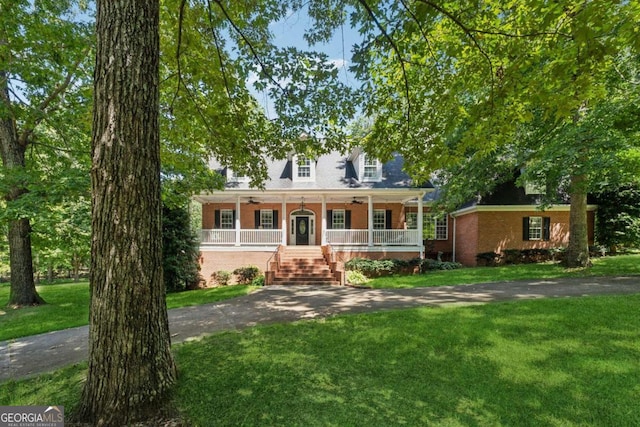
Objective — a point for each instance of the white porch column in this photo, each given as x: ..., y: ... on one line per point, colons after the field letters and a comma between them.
x: 283, y: 221
x: 237, y: 224
x: 370, y: 221
x: 323, y: 225
x: 420, y: 224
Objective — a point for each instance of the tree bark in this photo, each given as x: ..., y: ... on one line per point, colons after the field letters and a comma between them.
x: 131, y: 369
x: 578, y: 250
x: 23, y: 289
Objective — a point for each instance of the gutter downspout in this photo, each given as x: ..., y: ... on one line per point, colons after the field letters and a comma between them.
x: 453, y: 256
x: 420, y: 224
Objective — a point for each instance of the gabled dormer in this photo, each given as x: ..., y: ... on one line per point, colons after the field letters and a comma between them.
x: 303, y: 168
x: 532, y: 187
x: 368, y: 168
x: 234, y: 176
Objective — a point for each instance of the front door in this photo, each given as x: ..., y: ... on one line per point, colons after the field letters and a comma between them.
x: 302, y: 230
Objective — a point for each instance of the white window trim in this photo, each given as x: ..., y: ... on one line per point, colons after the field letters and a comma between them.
x: 333, y: 219
x: 263, y: 213
x: 230, y: 224
x: 437, y: 223
x: 538, y: 227
x: 378, y: 212
x: 296, y: 169
x: 363, y: 167
x: 411, y: 224
x: 533, y: 188
x: 232, y: 176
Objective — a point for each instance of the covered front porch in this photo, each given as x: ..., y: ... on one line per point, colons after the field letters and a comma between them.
x: 359, y: 220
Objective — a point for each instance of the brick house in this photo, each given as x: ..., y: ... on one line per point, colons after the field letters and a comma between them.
x: 338, y: 207
x: 508, y: 218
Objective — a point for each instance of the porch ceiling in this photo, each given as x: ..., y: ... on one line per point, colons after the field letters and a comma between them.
x: 310, y: 196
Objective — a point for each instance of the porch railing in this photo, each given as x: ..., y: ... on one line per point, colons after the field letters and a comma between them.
x: 247, y: 237
x: 396, y: 237
x: 348, y: 237
x: 380, y: 237
x: 334, y: 237
x: 218, y: 237
x: 260, y: 237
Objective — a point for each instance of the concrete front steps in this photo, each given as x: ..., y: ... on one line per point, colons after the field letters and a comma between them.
x: 303, y: 265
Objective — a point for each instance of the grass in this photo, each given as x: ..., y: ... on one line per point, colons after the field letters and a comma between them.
x: 68, y: 306
x: 606, y: 266
x: 556, y: 362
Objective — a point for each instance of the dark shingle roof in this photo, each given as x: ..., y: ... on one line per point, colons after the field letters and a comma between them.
x: 333, y: 171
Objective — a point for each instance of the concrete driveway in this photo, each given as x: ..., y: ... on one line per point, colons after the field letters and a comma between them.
x: 37, y: 354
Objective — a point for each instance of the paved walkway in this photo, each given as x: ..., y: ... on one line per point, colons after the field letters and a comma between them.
x: 41, y: 353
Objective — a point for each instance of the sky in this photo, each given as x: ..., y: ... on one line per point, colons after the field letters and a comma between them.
x: 289, y: 32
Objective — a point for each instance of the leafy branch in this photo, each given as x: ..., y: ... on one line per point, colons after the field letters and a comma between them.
x: 396, y: 50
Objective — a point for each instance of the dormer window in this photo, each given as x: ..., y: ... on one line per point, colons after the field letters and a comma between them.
x: 234, y: 176
x: 371, y: 168
x: 532, y: 187
x: 303, y: 168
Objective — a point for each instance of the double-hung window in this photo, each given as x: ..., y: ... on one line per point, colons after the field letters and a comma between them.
x: 371, y: 168
x: 226, y: 219
x: 338, y: 219
x: 379, y: 219
x: 304, y: 167
x: 266, y: 219
x: 536, y: 228
x: 411, y: 218
x: 436, y: 227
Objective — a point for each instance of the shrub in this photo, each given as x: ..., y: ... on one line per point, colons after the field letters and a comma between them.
x: 221, y: 278
x: 512, y: 256
x: 180, y: 251
x: 258, y: 281
x: 246, y: 275
x: 355, y: 277
x: 432, y: 264
x: 487, y: 258
x: 371, y: 267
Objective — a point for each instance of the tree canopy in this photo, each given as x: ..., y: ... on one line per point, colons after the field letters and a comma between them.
x: 462, y: 85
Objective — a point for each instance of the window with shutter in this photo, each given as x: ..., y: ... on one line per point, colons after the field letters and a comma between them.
x: 338, y: 219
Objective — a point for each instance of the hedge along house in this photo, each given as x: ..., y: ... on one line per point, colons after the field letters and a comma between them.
x: 336, y: 206
x: 509, y: 218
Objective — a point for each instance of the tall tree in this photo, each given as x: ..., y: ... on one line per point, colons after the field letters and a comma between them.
x: 131, y: 369
x: 43, y: 46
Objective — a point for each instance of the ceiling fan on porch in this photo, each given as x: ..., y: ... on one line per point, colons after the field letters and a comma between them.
x: 253, y: 201
x: 356, y: 201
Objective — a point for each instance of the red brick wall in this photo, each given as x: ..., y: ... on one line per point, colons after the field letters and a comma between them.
x: 496, y: 231
x: 345, y: 256
x: 466, y: 239
x: 212, y: 261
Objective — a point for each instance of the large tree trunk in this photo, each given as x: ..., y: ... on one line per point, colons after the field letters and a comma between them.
x: 578, y: 250
x: 23, y: 289
x: 131, y: 369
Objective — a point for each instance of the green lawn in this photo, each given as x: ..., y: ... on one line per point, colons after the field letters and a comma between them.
x: 606, y: 266
x: 556, y: 362
x: 68, y: 303
x: 68, y: 306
